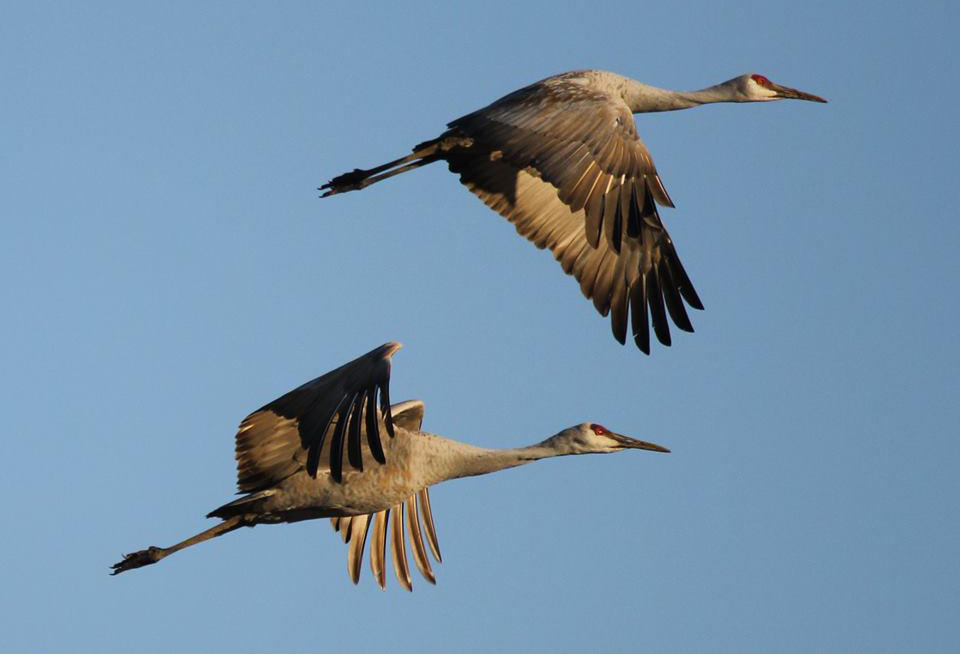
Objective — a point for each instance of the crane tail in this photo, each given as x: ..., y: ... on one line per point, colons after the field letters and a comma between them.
x: 241, y: 505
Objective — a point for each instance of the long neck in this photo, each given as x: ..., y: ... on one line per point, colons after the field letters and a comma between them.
x: 451, y: 459
x: 643, y: 99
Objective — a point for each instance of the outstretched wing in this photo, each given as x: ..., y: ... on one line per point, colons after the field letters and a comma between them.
x: 563, y: 162
x: 346, y: 399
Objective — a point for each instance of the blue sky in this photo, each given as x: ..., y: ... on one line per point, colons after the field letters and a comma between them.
x: 167, y: 267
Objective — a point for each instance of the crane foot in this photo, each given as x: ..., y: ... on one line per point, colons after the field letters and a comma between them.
x: 138, y: 559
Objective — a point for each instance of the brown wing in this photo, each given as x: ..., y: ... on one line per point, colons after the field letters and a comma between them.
x: 341, y: 404
x: 645, y: 275
x: 564, y: 164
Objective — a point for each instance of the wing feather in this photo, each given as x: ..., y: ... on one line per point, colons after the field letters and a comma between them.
x: 423, y: 501
x: 606, y: 276
x: 378, y: 547
x: 398, y: 549
x: 416, y: 541
x: 359, y: 526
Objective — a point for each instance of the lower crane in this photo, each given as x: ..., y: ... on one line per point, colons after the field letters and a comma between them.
x: 290, y: 465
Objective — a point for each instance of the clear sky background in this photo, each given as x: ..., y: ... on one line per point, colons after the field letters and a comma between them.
x: 167, y: 267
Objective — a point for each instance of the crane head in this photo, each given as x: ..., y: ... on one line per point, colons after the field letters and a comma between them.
x: 757, y: 88
x: 591, y: 438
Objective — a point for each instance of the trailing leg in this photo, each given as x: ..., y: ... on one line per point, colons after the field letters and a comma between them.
x: 423, y: 154
x: 153, y: 554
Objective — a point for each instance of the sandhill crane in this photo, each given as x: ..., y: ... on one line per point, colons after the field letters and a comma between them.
x: 562, y: 161
x: 290, y: 466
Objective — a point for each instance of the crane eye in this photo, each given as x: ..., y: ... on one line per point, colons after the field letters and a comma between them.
x: 761, y: 80
x: 599, y: 430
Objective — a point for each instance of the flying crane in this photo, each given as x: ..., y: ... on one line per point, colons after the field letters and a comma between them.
x: 290, y: 467
x: 562, y: 161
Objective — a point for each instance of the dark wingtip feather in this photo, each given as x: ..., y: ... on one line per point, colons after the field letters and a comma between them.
x: 617, y: 233
x: 690, y: 295
x: 684, y: 285
x: 612, y: 224
x: 618, y: 317
x: 657, y: 314
x: 385, y: 409
x: 354, y: 455
x: 313, y: 453
x: 373, y: 427
x: 619, y: 333
x: 313, y: 460
x: 638, y: 310
x: 672, y: 296
x: 336, y: 443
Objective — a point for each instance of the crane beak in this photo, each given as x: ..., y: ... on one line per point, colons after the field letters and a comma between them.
x: 787, y: 93
x: 627, y: 442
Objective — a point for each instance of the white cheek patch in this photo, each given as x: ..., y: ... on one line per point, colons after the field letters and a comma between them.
x: 761, y: 91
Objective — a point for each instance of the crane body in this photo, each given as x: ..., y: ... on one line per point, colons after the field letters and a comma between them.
x: 415, y: 460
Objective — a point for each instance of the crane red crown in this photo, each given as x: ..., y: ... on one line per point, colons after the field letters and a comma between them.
x: 761, y: 80
x: 599, y: 430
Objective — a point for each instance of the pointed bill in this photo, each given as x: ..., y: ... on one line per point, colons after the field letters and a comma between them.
x: 793, y: 94
x: 627, y: 442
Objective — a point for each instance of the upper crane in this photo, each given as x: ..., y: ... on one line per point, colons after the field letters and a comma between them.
x: 562, y: 161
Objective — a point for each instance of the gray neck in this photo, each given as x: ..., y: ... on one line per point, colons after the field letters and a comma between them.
x: 482, y: 461
x: 452, y: 459
x: 643, y: 99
